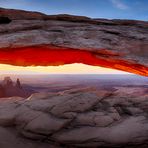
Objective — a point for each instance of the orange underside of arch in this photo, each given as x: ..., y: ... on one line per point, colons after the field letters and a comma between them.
x: 43, y: 56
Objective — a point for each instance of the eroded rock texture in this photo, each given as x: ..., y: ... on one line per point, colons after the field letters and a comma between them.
x: 84, y: 118
x: 30, y: 38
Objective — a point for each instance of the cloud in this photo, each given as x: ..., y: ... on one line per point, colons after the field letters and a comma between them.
x: 13, y: 4
x: 119, y: 4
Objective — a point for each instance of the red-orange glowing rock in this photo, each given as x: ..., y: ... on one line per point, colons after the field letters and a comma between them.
x: 29, y: 38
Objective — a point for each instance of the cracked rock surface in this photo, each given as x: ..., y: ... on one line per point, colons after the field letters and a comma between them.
x: 86, y: 118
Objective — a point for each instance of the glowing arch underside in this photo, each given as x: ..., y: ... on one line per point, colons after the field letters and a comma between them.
x: 55, y: 56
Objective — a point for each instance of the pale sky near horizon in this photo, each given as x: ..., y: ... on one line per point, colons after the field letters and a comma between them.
x: 111, y: 9
x: 66, y: 69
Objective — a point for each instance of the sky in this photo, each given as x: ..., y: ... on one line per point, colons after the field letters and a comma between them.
x: 111, y: 9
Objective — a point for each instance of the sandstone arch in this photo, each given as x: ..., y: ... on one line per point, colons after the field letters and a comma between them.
x: 33, y: 38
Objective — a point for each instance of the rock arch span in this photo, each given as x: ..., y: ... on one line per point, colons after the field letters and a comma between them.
x: 32, y: 38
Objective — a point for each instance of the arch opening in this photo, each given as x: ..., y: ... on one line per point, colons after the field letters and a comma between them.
x: 76, y: 68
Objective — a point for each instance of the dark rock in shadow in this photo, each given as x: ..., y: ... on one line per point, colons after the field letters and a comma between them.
x: 4, y: 20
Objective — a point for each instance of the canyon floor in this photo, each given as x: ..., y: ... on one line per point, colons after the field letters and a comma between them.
x: 77, y: 111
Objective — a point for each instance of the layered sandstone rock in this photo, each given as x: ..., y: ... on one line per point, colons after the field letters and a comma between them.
x: 8, y: 88
x: 30, y: 38
x: 76, y: 119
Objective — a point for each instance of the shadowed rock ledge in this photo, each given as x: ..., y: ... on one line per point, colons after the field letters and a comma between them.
x: 84, y: 118
x: 36, y: 37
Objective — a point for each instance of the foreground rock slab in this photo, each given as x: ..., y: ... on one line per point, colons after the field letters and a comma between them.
x: 86, y: 118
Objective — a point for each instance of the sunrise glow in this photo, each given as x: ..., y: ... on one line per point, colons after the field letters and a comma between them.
x: 65, y: 69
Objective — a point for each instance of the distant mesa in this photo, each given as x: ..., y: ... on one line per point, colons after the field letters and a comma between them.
x: 18, y: 84
x: 2, y: 91
x: 7, y: 82
x: 8, y: 88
